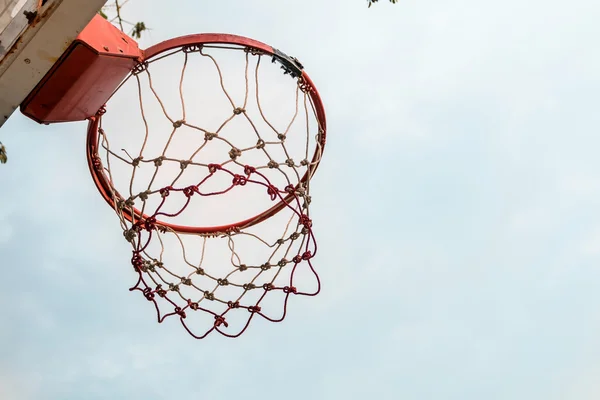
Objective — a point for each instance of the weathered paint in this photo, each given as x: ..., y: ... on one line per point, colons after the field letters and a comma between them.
x: 34, y: 52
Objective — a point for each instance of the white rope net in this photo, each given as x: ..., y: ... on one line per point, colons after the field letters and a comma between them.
x: 212, y: 148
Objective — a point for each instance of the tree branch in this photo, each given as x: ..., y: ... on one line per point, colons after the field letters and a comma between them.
x: 136, y: 28
x: 375, y: 1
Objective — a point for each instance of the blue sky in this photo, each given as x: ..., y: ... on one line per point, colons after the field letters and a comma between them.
x: 456, y: 211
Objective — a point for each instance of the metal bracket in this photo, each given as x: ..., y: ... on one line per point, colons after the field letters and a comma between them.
x: 289, y: 65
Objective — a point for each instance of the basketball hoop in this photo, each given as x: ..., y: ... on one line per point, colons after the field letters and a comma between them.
x: 216, y: 211
x: 195, y: 43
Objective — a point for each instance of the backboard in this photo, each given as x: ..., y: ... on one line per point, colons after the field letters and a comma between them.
x: 33, y: 36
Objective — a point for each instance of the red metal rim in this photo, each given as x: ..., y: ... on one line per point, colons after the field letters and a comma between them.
x: 103, y: 182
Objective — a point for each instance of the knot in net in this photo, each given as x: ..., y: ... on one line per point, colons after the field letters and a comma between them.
x: 205, y: 185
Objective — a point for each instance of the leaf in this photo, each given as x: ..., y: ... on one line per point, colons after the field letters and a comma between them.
x: 3, y: 156
x: 137, y: 30
x: 375, y: 1
x: 102, y: 14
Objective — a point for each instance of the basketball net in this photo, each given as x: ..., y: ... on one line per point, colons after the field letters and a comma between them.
x: 168, y: 185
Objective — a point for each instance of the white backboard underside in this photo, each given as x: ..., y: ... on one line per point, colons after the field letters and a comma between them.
x: 33, y: 35
x: 14, y: 22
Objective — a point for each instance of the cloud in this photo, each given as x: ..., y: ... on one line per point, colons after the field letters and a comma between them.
x: 455, y: 212
x: 14, y: 387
